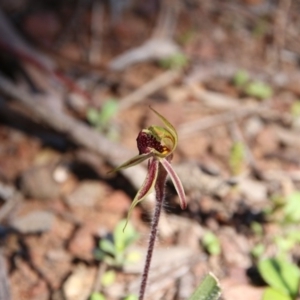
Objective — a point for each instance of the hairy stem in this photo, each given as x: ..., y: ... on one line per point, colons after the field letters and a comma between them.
x: 160, y: 195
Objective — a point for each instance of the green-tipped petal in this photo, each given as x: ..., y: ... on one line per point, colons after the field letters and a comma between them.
x: 176, y: 181
x: 169, y: 126
x: 132, y: 162
x: 146, y: 187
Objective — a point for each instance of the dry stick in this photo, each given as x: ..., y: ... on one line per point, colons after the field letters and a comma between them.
x: 77, y: 131
x: 97, y: 283
x: 167, y: 19
x: 190, y: 128
x: 82, y: 135
x: 149, y: 88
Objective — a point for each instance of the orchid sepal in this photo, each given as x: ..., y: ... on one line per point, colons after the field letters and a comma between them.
x: 176, y: 182
x: 132, y: 162
x: 169, y: 128
x: 146, y: 188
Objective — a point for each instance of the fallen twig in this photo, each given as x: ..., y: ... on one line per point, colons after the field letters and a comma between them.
x: 82, y: 135
x: 150, y: 87
x: 77, y: 131
x: 154, y: 48
x: 190, y: 128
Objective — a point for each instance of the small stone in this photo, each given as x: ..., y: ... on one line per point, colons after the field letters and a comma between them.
x: 79, y: 284
x: 117, y: 202
x: 82, y: 244
x: 253, y: 190
x: 253, y: 126
x: 87, y: 194
x: 235, y: 248
x: 38, y: 183
x: 34, y: 222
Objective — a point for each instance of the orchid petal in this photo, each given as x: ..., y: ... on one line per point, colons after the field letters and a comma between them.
x: 132, y: 162
x: 169, y: 126
x: 146, y: 187
x: 176, y: 181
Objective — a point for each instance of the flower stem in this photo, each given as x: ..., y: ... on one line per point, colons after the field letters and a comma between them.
x: 160, y: 195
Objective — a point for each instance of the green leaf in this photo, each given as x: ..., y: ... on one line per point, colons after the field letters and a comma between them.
x: 123, y: 239
x: 92, y: 116
x: 284, y: 243
x: 240, y: 78
x: 176, y: 61
x: 211, y: 243
x: 281, y: 275
x: 108, y: 110
x: 237, y: 157
x: 259, y: 90
x: 295, y: 109
x: 108, y: 278
x: 271, y: 294
x: 294, y: 235
x: 133, y: 256
x: 131, y: 297
x: 258, y: 250
x: 107, y: 246
x: 208, y: 289
x: 292, y: 208
x: 97, y: 296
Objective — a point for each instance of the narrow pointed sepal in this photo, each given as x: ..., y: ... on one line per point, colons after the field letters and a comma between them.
x: 176, y: 181
x: 132, y: 162
x: 146, y: 188
x: 169, y: 127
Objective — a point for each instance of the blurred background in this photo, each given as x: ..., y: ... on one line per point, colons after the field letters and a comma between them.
x: 76, y: 82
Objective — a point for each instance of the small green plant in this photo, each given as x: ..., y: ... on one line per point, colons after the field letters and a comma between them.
x: 174, y: 62
x: 100, y: 296
x: 131, y: 297
x: 186, y: 37
x: 257, y: 228
x: 281, y: 276
x: 108, y: 278
x: 113, y: 250
x: 261, y: 27
x: 240, y: 78
x: 292, y: 208
x: 258, y: 250
x: 209, y: 289
x: 259, y: 90
x: 295, y: 109
x: 97, y: 296
x: 211, y: 243
x: 237, y: 157
x: 100, y: 119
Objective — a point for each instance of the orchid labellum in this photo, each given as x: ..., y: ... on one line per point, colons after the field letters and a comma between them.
x: 157, y: 144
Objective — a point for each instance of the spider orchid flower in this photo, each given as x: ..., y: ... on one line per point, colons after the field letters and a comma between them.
x: 157, y: 144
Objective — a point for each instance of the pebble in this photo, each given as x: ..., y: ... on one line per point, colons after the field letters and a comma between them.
x: 79, y: 284
x: 38, y: 183
x: 35, y: 222
x: 86, y: 194
x: 253, y: 190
